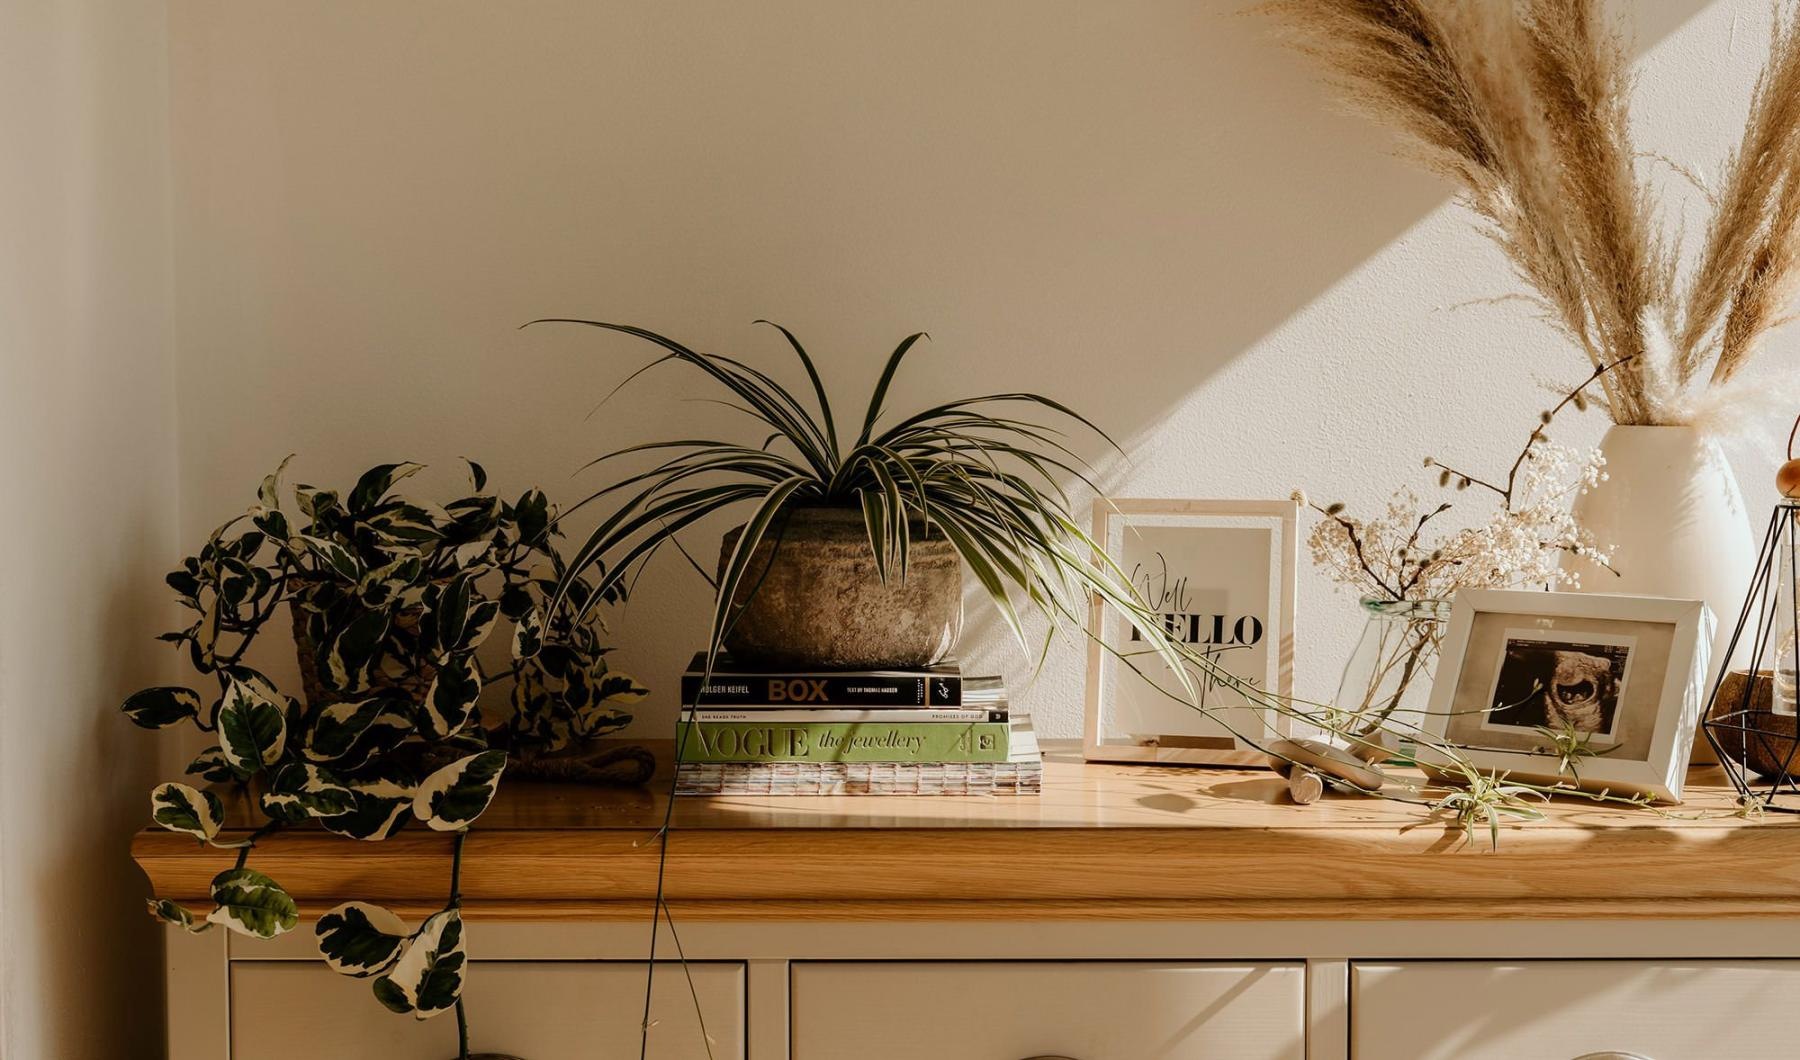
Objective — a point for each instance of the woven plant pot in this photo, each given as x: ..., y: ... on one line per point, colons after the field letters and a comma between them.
x: 412, y: 687
x: 811, y: 598
x: 602, y: 762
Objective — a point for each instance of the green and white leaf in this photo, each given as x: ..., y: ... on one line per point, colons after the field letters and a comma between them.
x: 616, y: 687
x: 349, y: 734
x: 351, y: 654
x: 258, y: 683
x: 469, y: 553
x: 170, y: 912
x: 298, y: 791
x: 454, y: 796
x: 359, y: 939
x: 381, y: 808
x: 161, y: 707
x: 375, y: 483
x: 483, y: 616
x: 428, y: 977
x: 250, y: 903
x: 273, y: 522
x: 206, y: 634
x: 387, y: 782
x: 269, y: 493
x: 240, y: 583
x: 451, y: 701
x: 383, y: 585
x: 335, y: 557
x: 314, y: 502
x: 374, y: 818
x: 252, y: 729
x: 528, y: 634
x: 190, y: 811
x: 450, y: 611
x: 408, y: 528
x: 533, y: 515
x: 210, y: 764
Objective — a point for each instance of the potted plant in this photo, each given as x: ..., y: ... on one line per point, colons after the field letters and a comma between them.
x: 852, y: 546
x: 392, y: 599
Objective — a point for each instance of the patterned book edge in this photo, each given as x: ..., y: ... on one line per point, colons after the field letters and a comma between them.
x: 860, y: 778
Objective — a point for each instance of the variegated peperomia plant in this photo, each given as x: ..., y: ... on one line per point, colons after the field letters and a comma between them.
x: 392, y: 600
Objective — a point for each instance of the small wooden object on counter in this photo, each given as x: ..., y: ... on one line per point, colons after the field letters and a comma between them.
x: 1286, y: 756
x: 1305, y: 787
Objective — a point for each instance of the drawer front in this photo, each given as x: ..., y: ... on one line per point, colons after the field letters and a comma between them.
x: 1555, y: 1010
x: 541, y: 1010
x: 1004, y: 1010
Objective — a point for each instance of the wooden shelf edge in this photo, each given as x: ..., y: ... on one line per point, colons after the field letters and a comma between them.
x: 1104, y: 843
x: 1114, y: 911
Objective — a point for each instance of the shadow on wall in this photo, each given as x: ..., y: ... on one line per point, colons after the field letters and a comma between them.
x: 1273, y: 192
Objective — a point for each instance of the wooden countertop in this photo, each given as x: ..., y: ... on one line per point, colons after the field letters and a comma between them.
x: 1103, y: 841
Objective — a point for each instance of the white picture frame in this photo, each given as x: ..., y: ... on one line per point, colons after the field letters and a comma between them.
x: 1225, y: 567
x: 1630, y: 670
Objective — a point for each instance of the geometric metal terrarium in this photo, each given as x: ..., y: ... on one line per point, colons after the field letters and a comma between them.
x: 1751, y: 718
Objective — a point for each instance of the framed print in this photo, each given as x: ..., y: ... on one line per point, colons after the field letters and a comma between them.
x: 1221, y: 575
x: 1623, y: 677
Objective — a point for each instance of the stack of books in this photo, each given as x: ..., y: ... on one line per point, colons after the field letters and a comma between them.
x: 890, y: 732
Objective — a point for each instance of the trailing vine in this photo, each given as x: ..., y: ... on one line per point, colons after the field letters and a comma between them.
x: 392, y: 600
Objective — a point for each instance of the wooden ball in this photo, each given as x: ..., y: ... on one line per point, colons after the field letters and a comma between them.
x: 1787, y: 480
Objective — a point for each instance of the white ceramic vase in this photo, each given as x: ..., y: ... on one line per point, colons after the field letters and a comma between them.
x: 1672, y: 513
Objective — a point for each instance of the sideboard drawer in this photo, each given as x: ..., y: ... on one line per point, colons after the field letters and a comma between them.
x: 998, y: 1010
x: 543, y: 1010
x: 1554, y: 1010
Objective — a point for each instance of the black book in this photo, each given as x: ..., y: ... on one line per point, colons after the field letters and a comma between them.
x: 733, y: 685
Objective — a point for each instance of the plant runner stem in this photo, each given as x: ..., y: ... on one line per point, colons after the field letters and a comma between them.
x: 462, y: 1015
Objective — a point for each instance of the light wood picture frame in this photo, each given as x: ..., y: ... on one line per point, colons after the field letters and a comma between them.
x: 1223, y: 573
x: 1627, y: 673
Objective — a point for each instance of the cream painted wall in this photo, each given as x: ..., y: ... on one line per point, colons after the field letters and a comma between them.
x: 88, y: 473
x: 1144, y: 207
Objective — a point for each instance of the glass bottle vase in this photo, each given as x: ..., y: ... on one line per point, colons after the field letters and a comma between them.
x: 1383, y: 694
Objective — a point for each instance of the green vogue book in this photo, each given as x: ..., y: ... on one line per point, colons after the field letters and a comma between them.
x: 750, y: 741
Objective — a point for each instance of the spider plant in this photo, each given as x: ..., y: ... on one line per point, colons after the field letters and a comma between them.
x: 981, y: 471
x: 1486, y: 798
x: 1570, y: 746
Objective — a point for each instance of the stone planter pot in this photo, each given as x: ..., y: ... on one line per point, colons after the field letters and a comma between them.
x: 810, y: 598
